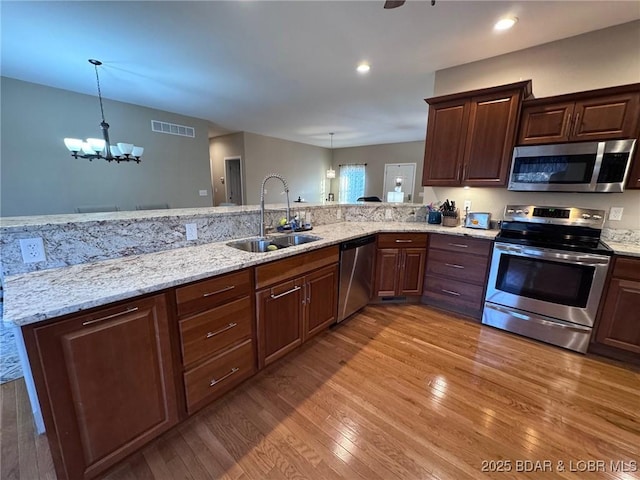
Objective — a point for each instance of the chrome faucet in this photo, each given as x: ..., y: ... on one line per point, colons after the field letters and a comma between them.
x: 286, y: 191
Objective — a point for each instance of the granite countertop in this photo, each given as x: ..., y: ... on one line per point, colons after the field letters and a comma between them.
x: 41, y: 295
x: 37, y: 296
x: 628, y: 249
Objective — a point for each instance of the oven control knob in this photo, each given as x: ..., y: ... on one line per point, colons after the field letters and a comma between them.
x: 518, y: 212
x: 511, y: 210
x: 586, y: 216
x: 597, y: 217
x: 526, y: 212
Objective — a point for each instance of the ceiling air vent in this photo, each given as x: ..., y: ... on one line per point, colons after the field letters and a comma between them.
x: 172, y: 129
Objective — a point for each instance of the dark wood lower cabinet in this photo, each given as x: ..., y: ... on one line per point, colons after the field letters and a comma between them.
x: 400, y: 260
x: 618, y: 329
x: 105, y: 382
x: 291, y: 310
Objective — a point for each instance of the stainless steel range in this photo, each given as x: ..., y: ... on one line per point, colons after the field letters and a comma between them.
x: 547, y: 274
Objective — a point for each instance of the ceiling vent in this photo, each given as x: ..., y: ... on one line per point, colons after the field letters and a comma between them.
x: 172, y: 129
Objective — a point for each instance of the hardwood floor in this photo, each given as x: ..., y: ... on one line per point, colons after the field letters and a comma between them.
x: 396, y: 392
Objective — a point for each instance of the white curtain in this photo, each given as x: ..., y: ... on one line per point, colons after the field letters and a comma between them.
x: 351, y: 183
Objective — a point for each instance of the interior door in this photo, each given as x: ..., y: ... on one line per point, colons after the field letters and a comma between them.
x: 402, y: 173
x: 233, y: 180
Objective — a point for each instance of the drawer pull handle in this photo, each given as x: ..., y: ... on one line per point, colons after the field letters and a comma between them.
x: 451, y: 292
x: 294, y: 289
x: 459, y: 245
x: 453, y: 265
x: 218, y: 332
x: 102, y: 319
x: 214, y: 381
x: 225, y: 289
x: 404, y: 241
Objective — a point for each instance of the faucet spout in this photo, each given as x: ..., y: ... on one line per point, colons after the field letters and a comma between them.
x: 286, y: 191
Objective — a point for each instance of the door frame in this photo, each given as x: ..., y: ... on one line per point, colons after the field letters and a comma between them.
x: 413, y: 186
x: 227, y: 160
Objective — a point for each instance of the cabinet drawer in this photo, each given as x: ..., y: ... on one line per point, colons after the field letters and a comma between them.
x: 209, y: 293
x: 402, y: 240
x: 219, y: 375
x: 458, y: 244
x: 627, y: 268
x: 461, y: 266
x: 282, y: 270
x: 452, y: 292
x: 209, y: 332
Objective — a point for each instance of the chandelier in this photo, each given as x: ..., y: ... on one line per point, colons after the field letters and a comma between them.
x: 101, y: 147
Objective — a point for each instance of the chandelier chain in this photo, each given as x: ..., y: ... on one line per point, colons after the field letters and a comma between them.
x: 99, y: 93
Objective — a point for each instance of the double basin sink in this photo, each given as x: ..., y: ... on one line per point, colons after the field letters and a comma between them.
x: 271, y: 243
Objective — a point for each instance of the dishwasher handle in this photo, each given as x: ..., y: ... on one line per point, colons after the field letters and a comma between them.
x: 358, y: 242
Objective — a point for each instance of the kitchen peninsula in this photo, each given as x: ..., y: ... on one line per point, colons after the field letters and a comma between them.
x: 149, y: 290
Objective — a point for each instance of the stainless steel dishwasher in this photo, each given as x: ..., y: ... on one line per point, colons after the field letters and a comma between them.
x: 356, y: 275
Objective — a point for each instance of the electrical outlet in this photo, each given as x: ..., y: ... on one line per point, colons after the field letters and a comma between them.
x: 388, y: 214
x: 615, y: 213
x: 467, y: 205
x: 32, y: 250
x: 192, y: 231
x: 202, y: 193
x: 339, y: 214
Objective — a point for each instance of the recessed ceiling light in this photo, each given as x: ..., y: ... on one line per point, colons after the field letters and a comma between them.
x: 363, y: 67
x: 505, y: 23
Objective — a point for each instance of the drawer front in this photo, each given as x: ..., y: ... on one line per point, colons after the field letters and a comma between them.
x: 402, y: 240
x: 461, y: 266
x: 282, y: 270
x: 627, y: 268
x: 209, y: 332
x: 452, y: 292
x: 459, y: 244
x: 219, y: 375
x: 206, y: 294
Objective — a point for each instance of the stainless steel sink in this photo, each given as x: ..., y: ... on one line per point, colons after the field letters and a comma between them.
x: 294, y: 239
x: 271, y: 243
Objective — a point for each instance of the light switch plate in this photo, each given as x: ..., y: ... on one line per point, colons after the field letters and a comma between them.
x: 615, y: 213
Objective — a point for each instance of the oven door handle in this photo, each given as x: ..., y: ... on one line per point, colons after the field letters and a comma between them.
x: 555, y: 255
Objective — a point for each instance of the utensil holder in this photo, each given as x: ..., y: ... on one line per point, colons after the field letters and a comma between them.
x: 449, y: 220
x: 435, y: 218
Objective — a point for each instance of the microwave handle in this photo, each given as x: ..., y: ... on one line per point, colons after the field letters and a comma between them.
x: 596, y: 166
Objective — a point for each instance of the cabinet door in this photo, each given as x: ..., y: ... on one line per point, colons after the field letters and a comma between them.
x: 620, y: 324
x: 444, y: 147
x: 611, y: 117
x: 545, y: 123
x: 490, y: 139
x: 108, y: 384
x: 412, y: 271
x: 321, y: 300
x: 279, y: 320
x: 387, y: 267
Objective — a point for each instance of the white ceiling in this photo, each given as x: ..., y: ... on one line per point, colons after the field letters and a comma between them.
x: 282, y: 69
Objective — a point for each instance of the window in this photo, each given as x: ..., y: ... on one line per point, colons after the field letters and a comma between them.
x: 351, y: 183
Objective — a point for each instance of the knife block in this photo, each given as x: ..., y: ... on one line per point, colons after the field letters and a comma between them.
x: 449, y: 220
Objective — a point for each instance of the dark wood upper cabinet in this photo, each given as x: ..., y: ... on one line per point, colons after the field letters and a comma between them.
x: 470, y: 136
x: 605, y: 114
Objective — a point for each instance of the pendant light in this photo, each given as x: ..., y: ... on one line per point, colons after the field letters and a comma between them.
x: 101, y: 147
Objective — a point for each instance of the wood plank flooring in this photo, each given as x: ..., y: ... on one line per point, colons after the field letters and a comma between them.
x: 396, y: 392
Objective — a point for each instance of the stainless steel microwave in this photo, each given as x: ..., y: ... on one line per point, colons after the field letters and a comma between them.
x: 572, y: 167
